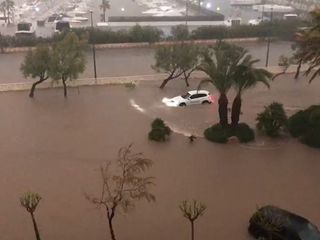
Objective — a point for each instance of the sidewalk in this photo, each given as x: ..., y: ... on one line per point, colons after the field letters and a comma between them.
x: 116, y: 80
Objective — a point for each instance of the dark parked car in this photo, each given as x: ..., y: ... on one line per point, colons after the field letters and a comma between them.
x: 274, y: 223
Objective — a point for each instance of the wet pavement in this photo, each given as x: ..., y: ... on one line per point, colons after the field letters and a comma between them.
x: 55, y: 146
x: 128, y: 62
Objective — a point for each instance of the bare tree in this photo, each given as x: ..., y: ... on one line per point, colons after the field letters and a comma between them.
x: 123, y: 183
x: 30, y: 201
x: 192, y: 211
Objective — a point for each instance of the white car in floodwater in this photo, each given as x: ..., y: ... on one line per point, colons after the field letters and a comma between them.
x: 190, y: 98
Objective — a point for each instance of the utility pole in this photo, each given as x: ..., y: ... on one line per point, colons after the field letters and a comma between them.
x: 93, y: 50
x: 269, y: 38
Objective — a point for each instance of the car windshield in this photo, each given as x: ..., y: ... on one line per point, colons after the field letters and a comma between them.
x: 186, y: 95
x: 309, y: 233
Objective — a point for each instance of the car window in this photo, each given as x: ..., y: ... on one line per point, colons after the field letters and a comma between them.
x: 198, y: 95
x: 185, y: 96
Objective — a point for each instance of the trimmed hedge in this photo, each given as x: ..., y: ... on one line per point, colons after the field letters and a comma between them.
x: 305, y: 125
x: 279, y: 28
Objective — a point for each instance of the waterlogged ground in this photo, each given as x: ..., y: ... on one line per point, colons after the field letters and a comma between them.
x: 55, y: 146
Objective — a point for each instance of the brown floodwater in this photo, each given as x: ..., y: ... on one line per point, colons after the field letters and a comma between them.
x: 55, y: 146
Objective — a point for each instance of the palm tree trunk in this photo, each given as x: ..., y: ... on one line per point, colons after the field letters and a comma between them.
x: 223, y: 109
x: 192, y: 230
x: 35, y: 227
x: 236, y: 110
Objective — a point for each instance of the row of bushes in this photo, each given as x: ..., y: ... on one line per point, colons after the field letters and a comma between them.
x: 282, y: 29
x: 304, y: 125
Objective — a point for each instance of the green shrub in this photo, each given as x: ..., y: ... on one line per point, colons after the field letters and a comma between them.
x: 130, y: 85
x: 217, y: 133
x: 159, y: 131
x: 244, y: 133
x: 145, y: 34
x: 312, y: 137
x: 306, y: 125
x: 297, y: 124
x: 272, y: 120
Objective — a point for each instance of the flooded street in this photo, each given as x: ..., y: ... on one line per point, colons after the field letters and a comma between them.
x: 127, y: 62
x: 55, y: 146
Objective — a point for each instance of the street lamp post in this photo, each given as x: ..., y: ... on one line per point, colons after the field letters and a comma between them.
x: 269, y: 39
x: 93, y: 50
x: 187, y: 11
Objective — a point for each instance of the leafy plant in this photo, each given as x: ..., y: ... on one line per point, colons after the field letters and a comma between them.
x: 306, y: 125
x: 307, y: 47
x: 217, y: 133
x: 30, y: 201
x: 37, y: 64
x: 244, y: 133
x: 130, y: 85
x: 123, y: 183
x: 67, y: 60
x: 272, y: 120
x: 179, y: 60
x: 192, y: 211
x: 159, y: 131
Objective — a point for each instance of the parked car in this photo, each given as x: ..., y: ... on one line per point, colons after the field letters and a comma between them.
x: 274, y: 223
x: 190, y: 98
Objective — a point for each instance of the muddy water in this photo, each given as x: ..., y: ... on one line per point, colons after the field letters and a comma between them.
x: 54, y: 146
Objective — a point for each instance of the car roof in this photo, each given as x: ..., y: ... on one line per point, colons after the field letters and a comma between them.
x: 198, y: 91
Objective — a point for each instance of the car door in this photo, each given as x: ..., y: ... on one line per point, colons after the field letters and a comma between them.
x: 202, y: 97
x: 194, y: 99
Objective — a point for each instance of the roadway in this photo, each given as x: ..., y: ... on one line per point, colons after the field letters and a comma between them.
x: 128, y: 62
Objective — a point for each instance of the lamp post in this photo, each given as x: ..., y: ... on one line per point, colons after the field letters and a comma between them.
x: 269, y: 39
x: 93, y: 50
x: 187, y: 11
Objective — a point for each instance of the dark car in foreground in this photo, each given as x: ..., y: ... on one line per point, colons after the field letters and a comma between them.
x: 274, y: 223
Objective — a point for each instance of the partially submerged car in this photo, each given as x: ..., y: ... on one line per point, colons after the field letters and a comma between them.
x: 274, y: 223
x: 190, y: 98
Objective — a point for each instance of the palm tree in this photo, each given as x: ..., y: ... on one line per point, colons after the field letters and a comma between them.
x: 104, y: 6
x: 220, y: 64
x: 307, y: 47
x: 7, y: 8
x: 246, y: 76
